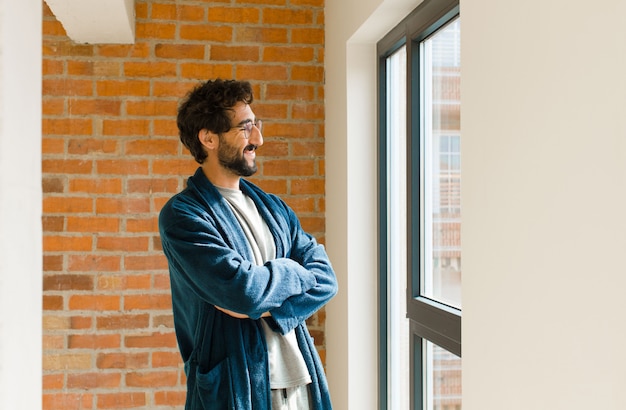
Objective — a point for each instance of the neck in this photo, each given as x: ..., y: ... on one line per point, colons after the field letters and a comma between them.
x: 219, y: 176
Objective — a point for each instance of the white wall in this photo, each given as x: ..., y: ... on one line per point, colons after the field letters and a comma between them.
x: 544, y: 194
x: 20, y: 204
x: 352, y: 29
x: 544, y: 201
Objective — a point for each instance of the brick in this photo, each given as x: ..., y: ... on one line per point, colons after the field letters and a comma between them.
x: 94, y: 302
x: 289, y: 92
x: 92, y: 145
x: 93, y: 341
x: 116, y: 88
x: 122, y: 205
x: 142, y: 225
x: 245, y: 15
x: 289, y: 167
x: 288, y: 54
x: 67, y: 282
x: 93, y: 68
x: 67, y: 361
x: 234, y: 53
x: 66, y: 166
x: 67, y: 86
x: 163, y: 320
x: 52, y: 67
x: 53, y: 381
x: 166, y: 359
x: 66, y: 126
x: 308, y: 111
x: 193, y: 13
x: 154, y: 378
x: 52, y: 302
x: 53, y: 185
x: 151, y: 108
x: 95, y: 107
x: 154, y: 340
x: 262, y: 72
x: 152, y: 147
x: 163, y: 11
x: 185, y: 166
x: 122, y: 167
x: 155, y: 30
x: 308, y: 149
x: 94, y: 380
x: 147, y: 302
x: 80, y: 322
x: 121, y: 400
x: 52, y: 28
x: 166, y: 128
x: 67, y: 401
x: 124, y: 282
x: 65, y: 47
x: 270, y: 35
x: 307, y: 36
x: 52, y: 263
x: 152, y: 185
x: 53, y: 106
x: 206, y: 32
x: 180, y: 51
x: 53, y: 223
x: 92, y: 224
x: 281, y: 16
x: 122, y: 360
x: 53, y: 145
x: 124, y: 321
x: 313, y: 3
x: 170, y: 398
x: 204, y: 70
x: 67, y: 204
x: 162, y: 281
x: 292, y: 130
x: 127, y: 244
x: 143, y: 263
x: 58, y: 243
x: 96, y: 185
x: 308, y: 187
x: 126, y: 127
x: 149, y: 69
x: 94, y: 263
x: 51, y: 322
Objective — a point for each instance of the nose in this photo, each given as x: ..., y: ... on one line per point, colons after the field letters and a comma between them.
x: 256, y: 136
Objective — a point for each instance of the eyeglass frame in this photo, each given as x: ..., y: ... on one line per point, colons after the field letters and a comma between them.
x: 246, y: 127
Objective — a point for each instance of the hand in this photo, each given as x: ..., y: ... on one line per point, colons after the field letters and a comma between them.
x: 239, y: 315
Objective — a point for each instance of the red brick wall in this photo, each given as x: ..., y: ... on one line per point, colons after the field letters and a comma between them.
x: 111, y: 158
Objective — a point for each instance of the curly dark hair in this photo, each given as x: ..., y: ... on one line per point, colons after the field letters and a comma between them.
x: 207, y: 107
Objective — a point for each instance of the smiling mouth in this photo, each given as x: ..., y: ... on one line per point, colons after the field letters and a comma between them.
x: 250, y: 148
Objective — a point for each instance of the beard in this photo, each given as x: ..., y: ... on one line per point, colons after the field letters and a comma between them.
x: 231, y: 158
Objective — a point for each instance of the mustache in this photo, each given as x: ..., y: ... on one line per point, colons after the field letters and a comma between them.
x: 251, y: 147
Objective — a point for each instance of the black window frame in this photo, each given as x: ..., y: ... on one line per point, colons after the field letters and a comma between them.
x: 429, y: 319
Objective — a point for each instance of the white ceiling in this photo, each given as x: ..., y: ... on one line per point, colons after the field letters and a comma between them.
x: 96, y: 21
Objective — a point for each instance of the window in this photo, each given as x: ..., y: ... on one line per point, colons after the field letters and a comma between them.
x: 420, y: 210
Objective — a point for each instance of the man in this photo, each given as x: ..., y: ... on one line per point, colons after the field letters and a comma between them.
x: 244, y: 275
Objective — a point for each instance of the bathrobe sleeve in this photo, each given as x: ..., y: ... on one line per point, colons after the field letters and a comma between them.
x: 309, y: 257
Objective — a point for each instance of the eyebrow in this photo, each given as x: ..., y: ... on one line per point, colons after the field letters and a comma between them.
x: 246, y: 121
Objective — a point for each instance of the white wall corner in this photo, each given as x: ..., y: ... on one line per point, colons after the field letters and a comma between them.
x: 96, y: 21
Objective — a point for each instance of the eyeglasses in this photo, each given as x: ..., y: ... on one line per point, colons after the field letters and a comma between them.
x: 246, y: 127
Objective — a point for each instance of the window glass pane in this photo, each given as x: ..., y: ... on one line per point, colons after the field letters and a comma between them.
x: 398, y: 358
x: 443, y: 378
x: 441, y: 165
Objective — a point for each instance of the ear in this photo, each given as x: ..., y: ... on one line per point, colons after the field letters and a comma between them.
x: 208, y: 139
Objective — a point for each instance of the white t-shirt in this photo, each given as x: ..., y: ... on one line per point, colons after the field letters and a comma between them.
x: 286, y: 364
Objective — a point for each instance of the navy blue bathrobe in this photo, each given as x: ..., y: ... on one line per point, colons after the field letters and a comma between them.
x: 211, y: 263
